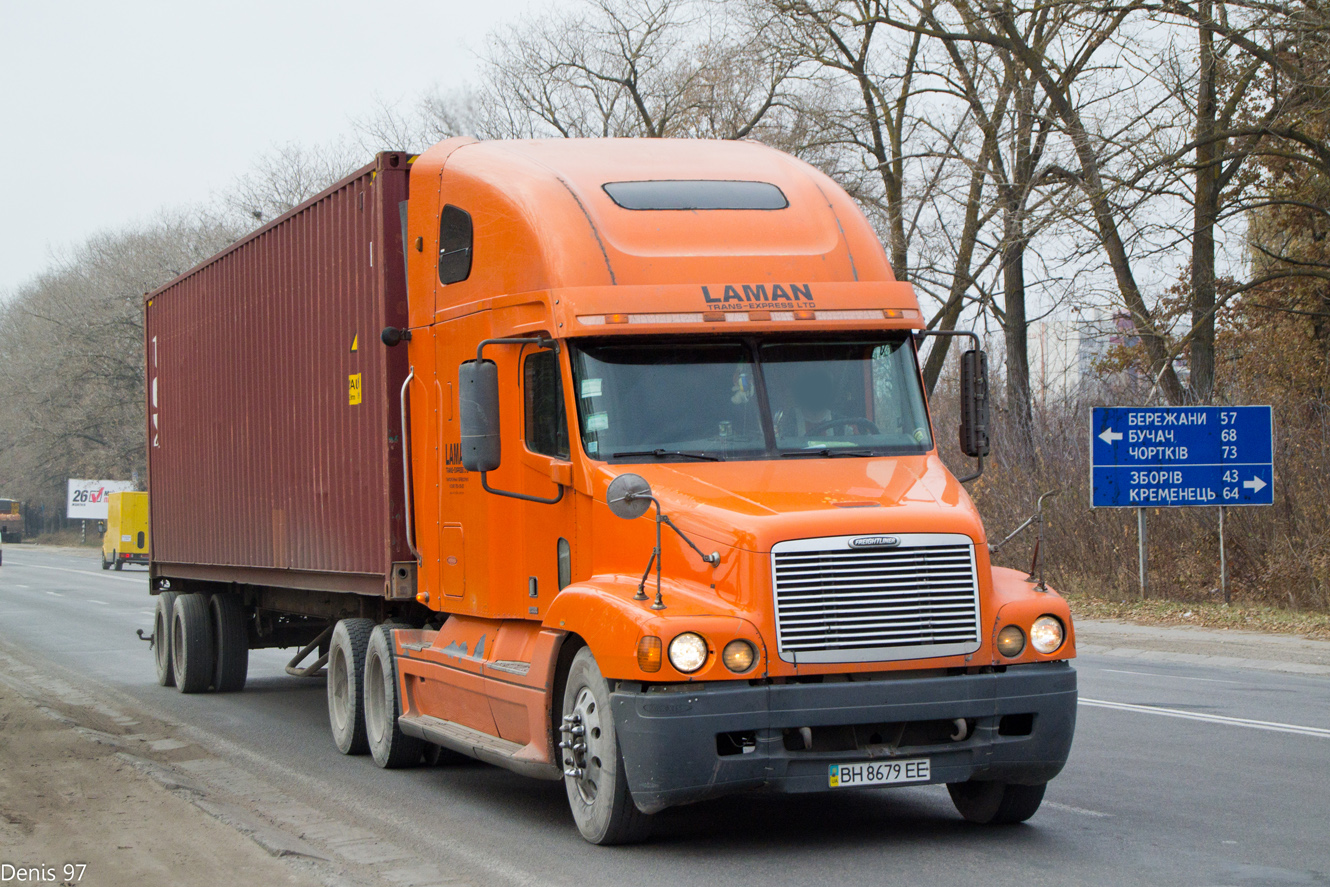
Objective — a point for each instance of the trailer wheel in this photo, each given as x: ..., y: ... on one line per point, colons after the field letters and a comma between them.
x: 191, y: 643
x: 346, y: 691
x: 230, y: 643
x: 594, y: 773
x: 390, y: 747
x: 117, y: 561
x: 996, y: 803
x: 161, y: 635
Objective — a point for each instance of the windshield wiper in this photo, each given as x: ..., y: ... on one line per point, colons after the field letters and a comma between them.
x: 660, y: 454
x: 829, y: 452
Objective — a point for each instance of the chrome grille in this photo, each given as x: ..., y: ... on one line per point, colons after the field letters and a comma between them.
x: 915, y: 600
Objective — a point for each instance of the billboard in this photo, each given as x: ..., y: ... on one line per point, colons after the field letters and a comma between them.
x: 86, y: 499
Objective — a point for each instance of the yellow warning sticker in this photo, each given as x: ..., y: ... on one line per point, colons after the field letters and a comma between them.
x: 355, y: 342
x: 354, y: 397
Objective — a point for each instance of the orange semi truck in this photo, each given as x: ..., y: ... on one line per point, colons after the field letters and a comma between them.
x: 606, y: 462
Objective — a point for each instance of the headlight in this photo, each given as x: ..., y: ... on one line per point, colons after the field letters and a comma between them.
x: 1011, y: 641
x: 738, y: 656
x: 1047, y: 634
x: 688, y: 652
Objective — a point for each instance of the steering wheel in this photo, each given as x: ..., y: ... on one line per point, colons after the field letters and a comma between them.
x: 859, y: 422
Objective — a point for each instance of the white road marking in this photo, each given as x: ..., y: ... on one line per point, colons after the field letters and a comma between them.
x: 22, y: 586
x: 91, y: 574
x: 1274, y: 726
x: 99, y: 603
x: 1081, y: 811
x: 56, y: 593
x: 1181, y: 677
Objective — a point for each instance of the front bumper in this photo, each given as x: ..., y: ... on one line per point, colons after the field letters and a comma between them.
x: 1021, y: 723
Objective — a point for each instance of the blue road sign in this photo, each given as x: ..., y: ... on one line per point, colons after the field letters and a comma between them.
x: 1155, y: 457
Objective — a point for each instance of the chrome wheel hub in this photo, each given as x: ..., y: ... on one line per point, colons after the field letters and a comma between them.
x: 583, y: 745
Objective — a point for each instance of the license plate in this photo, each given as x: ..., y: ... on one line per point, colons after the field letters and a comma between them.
x: 879, y: 773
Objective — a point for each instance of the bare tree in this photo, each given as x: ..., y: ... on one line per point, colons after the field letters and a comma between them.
x: 286, y: 177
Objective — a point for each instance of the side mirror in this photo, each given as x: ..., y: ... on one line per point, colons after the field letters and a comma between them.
x: 478, y: 396
x: 628, y: 496
x: 974, y: 403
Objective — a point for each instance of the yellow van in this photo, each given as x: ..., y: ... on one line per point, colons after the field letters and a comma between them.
x: 126, y: 538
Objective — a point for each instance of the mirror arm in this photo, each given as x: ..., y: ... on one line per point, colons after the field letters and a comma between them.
x: 713, y: 558
x: 979, y: 470
x: 920, y: 335
x: 551, y: 344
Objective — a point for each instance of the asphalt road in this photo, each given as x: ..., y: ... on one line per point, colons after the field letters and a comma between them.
x: 1179, y: 775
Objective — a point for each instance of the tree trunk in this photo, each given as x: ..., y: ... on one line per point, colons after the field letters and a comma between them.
x: 1205, y: 211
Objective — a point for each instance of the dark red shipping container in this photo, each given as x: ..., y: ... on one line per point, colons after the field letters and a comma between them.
x: 274, y: 451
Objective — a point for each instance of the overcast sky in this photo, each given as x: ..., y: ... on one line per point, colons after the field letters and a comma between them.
x: 112, y: 111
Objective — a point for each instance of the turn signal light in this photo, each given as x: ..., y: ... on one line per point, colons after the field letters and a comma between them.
x: 649, y: 654
x: 616, y: 318
x: 1011, y: 641
x: 805, y: 315
x: 738, y: 656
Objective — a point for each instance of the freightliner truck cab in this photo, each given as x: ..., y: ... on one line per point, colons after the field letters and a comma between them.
x: 677, y: 501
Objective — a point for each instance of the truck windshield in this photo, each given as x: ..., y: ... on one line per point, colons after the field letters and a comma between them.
x: 743, y: 399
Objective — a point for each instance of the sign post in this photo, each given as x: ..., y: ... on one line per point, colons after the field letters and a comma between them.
x: 1180, y: 457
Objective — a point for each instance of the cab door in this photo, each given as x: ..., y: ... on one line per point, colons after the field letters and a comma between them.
x: 548, y: 529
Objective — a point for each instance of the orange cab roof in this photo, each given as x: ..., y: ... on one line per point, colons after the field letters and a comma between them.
x: 543, y: 219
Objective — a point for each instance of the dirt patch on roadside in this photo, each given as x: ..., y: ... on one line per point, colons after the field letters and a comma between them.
x: 68, y: 800
x: 1244, y: 617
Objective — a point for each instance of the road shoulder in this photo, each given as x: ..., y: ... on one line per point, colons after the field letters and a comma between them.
x: 67, y: 799
x: 1229, y: 648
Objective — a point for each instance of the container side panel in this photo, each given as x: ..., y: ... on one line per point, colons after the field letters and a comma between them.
x: 274, y: 423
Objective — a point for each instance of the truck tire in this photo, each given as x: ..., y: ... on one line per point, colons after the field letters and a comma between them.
x: 161, y: 635
x: 996, y: 803
x: 106, y: 565
x: 117, y: 561
x: 230, y: 643
x: 594, y: 775
x: 346, y: 684
x: 390, y: 747
x: 191, y: 643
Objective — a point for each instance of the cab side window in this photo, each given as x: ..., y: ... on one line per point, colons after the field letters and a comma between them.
x: 546, y: 420
x: 454, y: 244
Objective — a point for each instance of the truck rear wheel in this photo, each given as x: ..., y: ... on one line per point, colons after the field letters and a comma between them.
x: 594, y: 774
x: 996, y: 803
x: 346, y: 684
x: 230, y: 643
x: 117, y: 561
x: 106, y: 565
x: 390, y: 747
x: 161, y: 635
x: 191, y: 644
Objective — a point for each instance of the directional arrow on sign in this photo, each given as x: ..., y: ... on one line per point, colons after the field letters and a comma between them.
x: 1110, y: 435
x: 1255, y: 484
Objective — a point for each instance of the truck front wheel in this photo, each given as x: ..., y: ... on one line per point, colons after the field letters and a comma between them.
x: 594, y: 774
x: 996, y: 803
x: 346, y: 684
